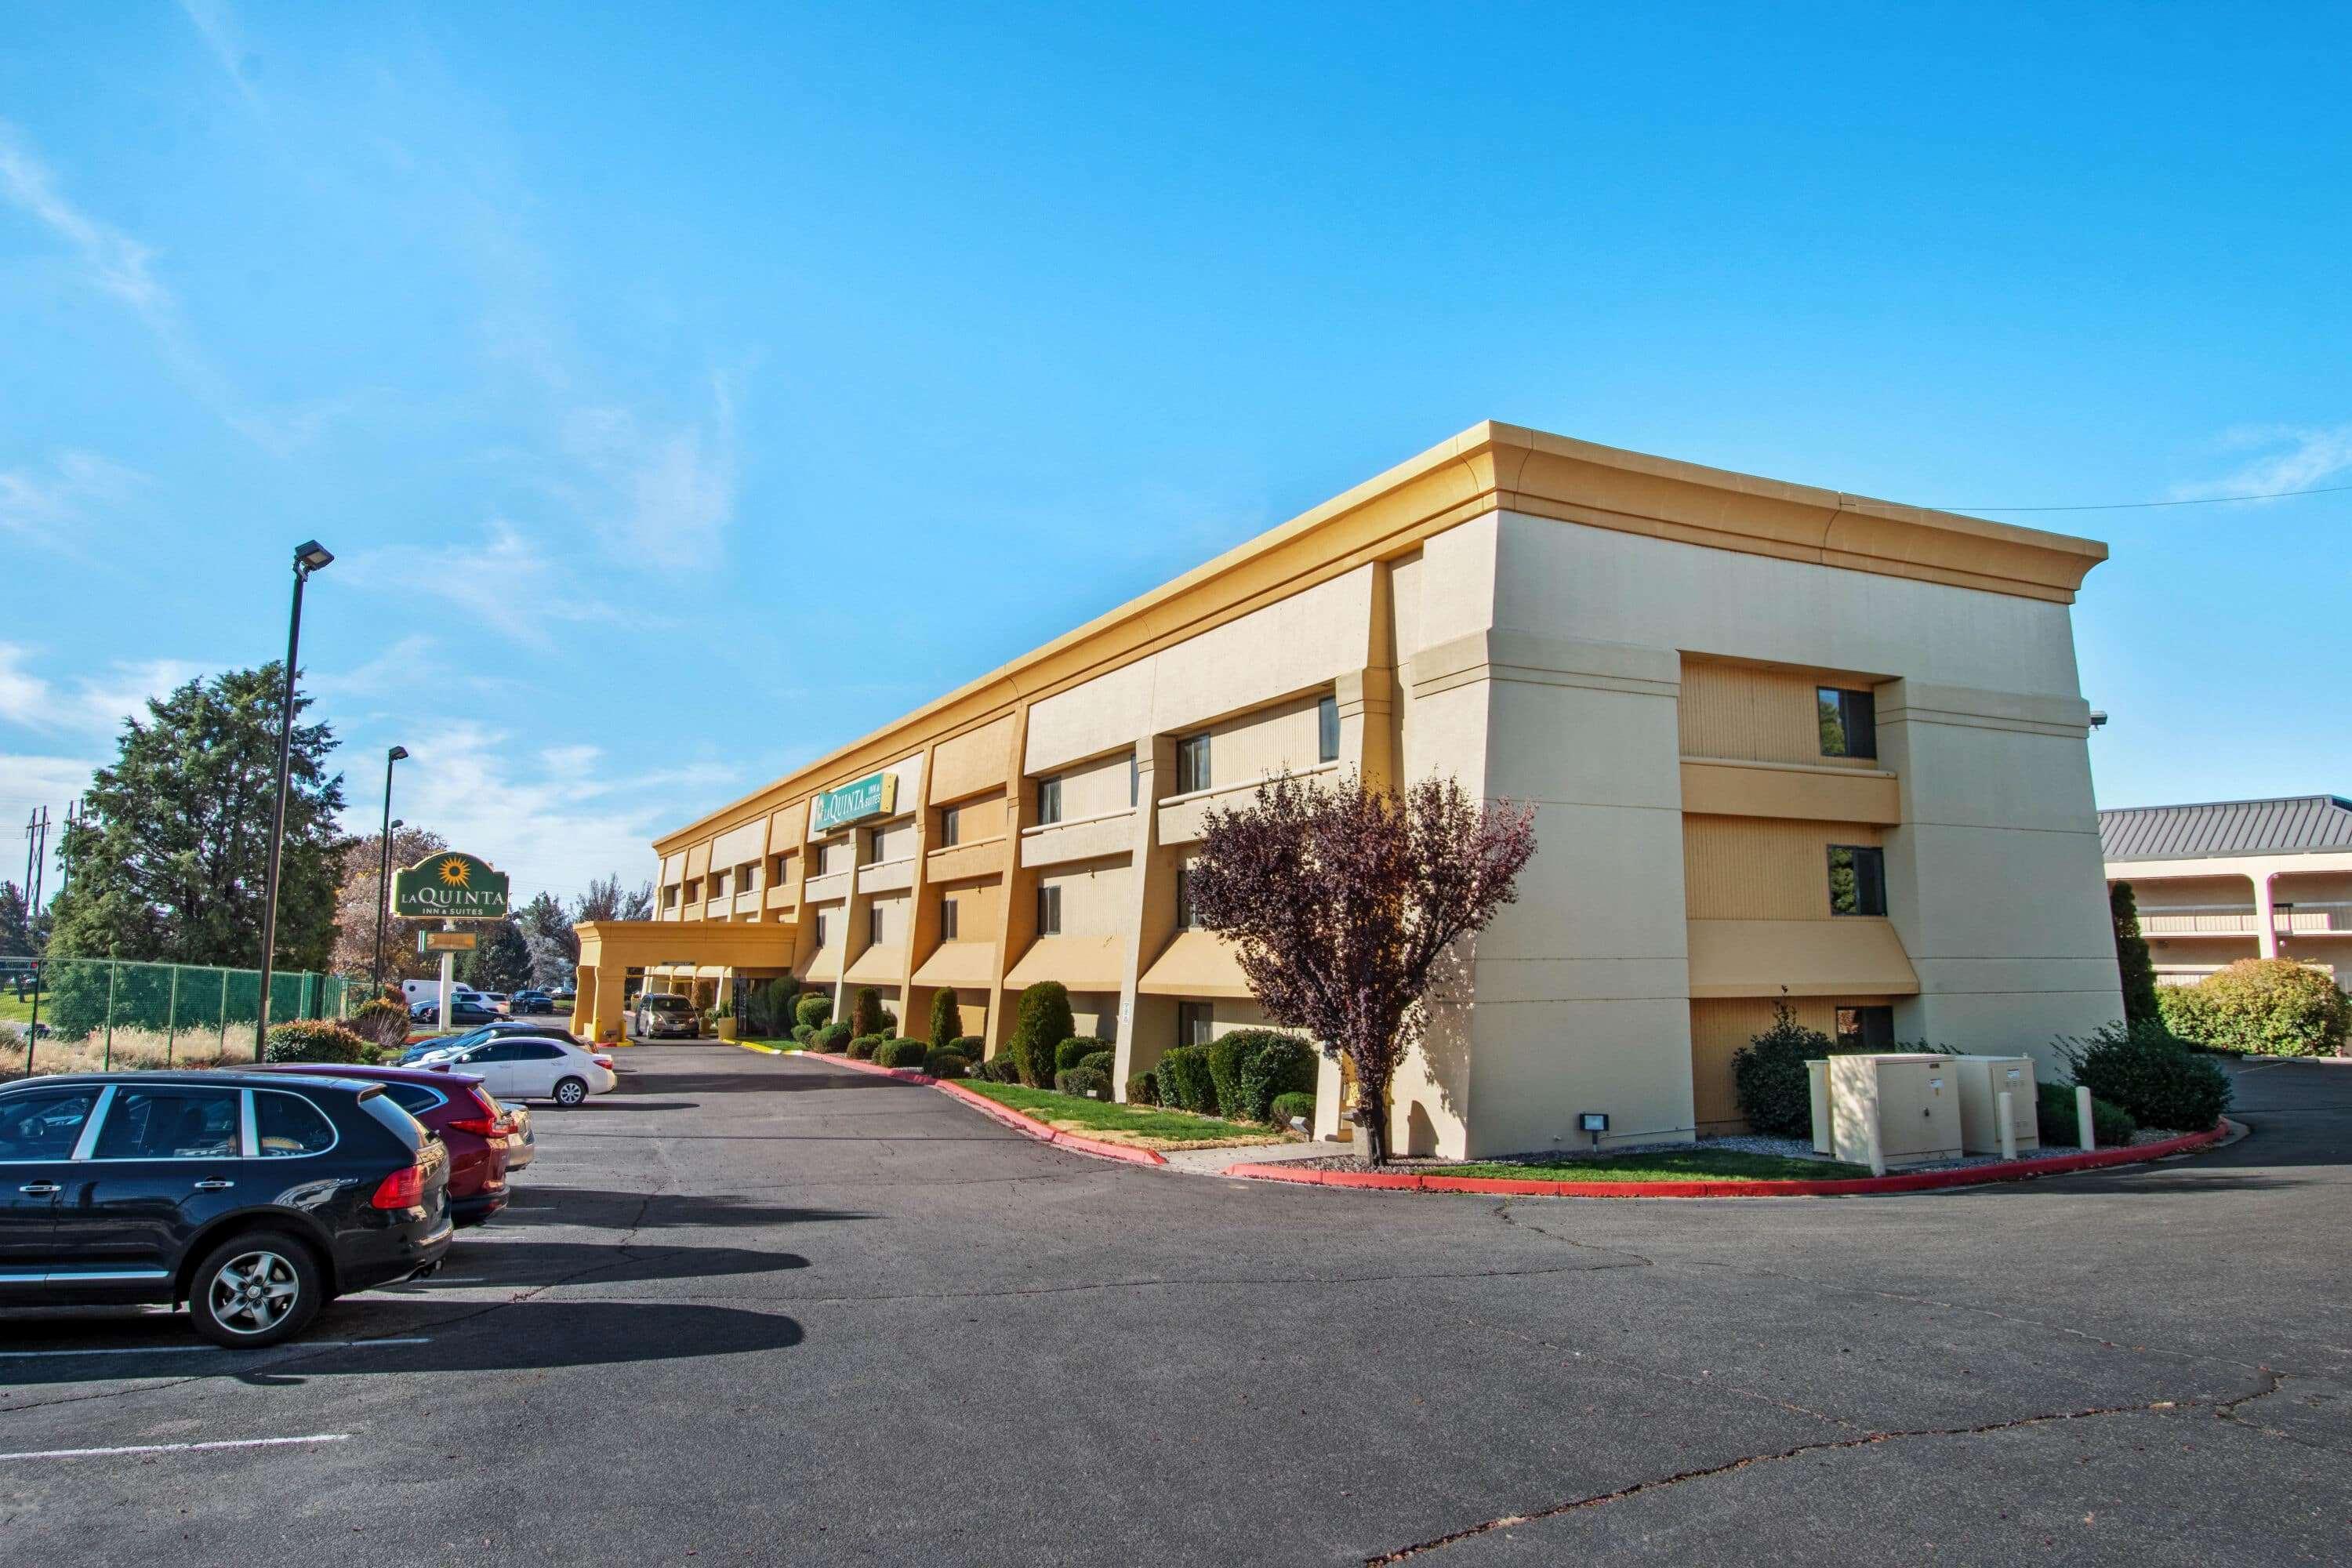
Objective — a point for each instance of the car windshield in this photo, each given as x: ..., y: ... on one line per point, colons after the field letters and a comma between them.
x: 668, y: 1004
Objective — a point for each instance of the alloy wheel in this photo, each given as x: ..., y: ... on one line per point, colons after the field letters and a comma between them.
x: 253, y: 1292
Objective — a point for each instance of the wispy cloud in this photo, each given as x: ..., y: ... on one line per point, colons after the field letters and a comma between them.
x: 661, y: 493
x: 506, y: 584
x: 2293, y: 457
x: 92, y: 704
x: 216, y: 24
x: 30, y: 780
x: 118, y: 263
x: 38, y: 501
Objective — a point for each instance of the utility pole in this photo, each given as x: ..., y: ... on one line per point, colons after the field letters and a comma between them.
x: 37, y: 859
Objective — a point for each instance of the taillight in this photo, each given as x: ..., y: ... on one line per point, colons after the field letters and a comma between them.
x: 481, y: 1126
x: 602, y: 1061
x: 403, y: 1189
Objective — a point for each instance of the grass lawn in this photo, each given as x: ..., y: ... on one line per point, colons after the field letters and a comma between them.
x: 1144, y: 1126
x: 22, y: 1012
x: 1664, y: 1165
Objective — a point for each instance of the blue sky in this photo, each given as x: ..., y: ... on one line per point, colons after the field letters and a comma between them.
x: 686, y: 390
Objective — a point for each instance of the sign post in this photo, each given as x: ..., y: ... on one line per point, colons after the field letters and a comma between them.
x: 453, y: 886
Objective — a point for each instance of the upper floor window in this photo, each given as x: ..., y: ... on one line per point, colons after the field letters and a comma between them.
x: 1192, y: 763
x: 1049, y: 800
x: 877, y: 843
x: 817, y: 926
x: 669, y: 897
x: 1327, y: 729
x: 1049, y: 911
x: 951, y: 826
x: 947, y: 917
x: 1187, y: 917
x: 747, y: 878
x: 1857, y: 879
x: 874, y: 925
x: 828, y: 860
x: 1849, y: 722
x: 719, y: 884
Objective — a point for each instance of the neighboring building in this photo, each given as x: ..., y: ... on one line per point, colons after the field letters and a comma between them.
x: 2237, y: 878
x: 1780, y: 740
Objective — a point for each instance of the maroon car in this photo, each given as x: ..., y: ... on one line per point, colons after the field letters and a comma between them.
x: 454, y: 1106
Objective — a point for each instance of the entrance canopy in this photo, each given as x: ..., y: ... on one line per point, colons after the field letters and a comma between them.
x: 610, y: 949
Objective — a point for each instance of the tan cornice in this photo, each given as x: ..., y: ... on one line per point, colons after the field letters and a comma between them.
x: 1488, y: 467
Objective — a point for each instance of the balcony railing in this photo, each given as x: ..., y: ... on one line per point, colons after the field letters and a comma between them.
x: 2236, y: 919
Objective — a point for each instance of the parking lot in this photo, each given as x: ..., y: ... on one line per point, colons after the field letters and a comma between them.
x: 751, y: 1308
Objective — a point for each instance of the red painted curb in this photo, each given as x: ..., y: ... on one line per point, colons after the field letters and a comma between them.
x: 1007, y: 1115
x: 1918, y: 1181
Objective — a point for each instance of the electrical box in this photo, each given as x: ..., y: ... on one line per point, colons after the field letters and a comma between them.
x: 1980, y: 1080
x: 1824, y: 1138
x: 1912, y: 1101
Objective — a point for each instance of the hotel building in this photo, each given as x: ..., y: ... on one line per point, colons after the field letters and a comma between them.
x: 2237, y: 878
x: 1780, y: 741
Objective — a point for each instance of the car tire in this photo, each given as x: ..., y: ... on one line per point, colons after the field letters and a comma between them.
x: 254, y: 1290
x: 571, y: 1092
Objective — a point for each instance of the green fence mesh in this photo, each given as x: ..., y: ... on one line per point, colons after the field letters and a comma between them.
x: 96, y: 1014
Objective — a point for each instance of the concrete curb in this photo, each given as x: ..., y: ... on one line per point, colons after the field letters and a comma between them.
x: 1027, y: 1125
x: 1919, y: 1182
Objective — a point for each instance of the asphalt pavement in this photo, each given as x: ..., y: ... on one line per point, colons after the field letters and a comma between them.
x: 762, y: 1309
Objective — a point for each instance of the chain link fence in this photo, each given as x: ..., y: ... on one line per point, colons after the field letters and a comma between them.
x: 98, y: 1014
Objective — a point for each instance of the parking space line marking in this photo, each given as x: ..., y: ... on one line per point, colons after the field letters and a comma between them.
x: 182, y: 1349
x: 177, y: 1448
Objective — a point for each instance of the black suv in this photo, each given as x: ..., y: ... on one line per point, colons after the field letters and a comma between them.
x: 255, y: 1198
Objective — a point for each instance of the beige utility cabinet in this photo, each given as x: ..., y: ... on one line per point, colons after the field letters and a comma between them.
x: 1982, y: 1080
x: 1912, y: 1099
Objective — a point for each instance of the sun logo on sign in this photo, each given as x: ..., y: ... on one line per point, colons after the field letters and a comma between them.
x: 455, y: 872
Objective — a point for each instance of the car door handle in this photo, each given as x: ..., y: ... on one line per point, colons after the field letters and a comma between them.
x: 38, y: 1189
x: 214, y: 1186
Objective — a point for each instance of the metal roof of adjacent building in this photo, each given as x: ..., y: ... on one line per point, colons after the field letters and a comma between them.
x: 2288, y: 825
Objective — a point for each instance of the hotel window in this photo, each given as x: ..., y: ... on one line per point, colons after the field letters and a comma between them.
x: 1192, y: 763
x: 951, y: 826
x: 947, y: 918
x: 1857, y: 879
x: 1049, y: 911
x: 1865, y: 1028
x: 874, y: 926
x: 1327, y: 729
x: 669, y: 897
x: 719, y: 884
x: 1049, y: 801
x: 1134, y: 781
x: 1187, y: 917
x: 1849, y: 722
x: 1193, y: 1023
x: 877, y: 846
x: 748, y: 877
x: 823, y: 919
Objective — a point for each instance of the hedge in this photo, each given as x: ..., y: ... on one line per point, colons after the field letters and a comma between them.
x: 941, y: 1062
x: 2271, y: 1006
x: 380, y: 1021
x: 1184, y: 1081
x: 1073, y: 1051
x: 901, y: 1053
x: 971, y: 1047
x: 863, y: 1047
x: 802, y: 1034
x: 947, y: 1019
x: 1001, y: 1068
x: 1085, y: 1082
x: 1042, y: 1023
x: 2147, y: 1072
x: 316, y: 1040
x: 1293, y: 1105
x: 2111, y: 1125
x: 833, y: 1038
x: 1104, y: 1061
x: 1223, y: 1056
x: 816, y: 1010
x: 1273, y: 1064
x: 1144, y: 1087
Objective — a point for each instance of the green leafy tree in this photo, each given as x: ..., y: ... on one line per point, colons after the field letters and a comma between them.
x: 172, y: 862
x: 18, y: 935
x: 502, y: 957
x: 2137, y: 969
x: 554, y: 948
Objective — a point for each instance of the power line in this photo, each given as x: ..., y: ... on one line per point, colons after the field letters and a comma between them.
x: 2138, y: 505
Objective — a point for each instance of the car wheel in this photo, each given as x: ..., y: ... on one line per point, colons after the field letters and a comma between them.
x: 570, y: 1092
x: 256, y: 1290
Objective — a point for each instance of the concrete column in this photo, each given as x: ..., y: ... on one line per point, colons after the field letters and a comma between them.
x: 1019, y: 928
x: 1145, y: 1023
x: 850, y: 943
x: 608, y: 1021
x: 922, y: 917
x: 2265, y: 910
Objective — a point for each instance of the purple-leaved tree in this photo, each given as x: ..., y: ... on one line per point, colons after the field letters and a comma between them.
x: 1341, y: 901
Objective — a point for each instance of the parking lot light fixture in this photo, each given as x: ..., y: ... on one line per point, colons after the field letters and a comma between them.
x: 309, y: 557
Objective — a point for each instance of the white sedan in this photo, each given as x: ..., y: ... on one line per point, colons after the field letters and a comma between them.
x: 532, y: 1066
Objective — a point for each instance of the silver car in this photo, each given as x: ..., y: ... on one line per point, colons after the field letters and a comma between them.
x: 661, y: 1013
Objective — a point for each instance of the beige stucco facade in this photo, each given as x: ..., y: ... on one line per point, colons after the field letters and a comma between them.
x: 1634, y: 646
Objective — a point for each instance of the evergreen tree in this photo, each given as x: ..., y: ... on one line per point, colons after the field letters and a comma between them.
x: 947, y: 1018
x: 16, y: 933
x: 172, y: 863
x: 2139, y: 970
x: 502, y: 957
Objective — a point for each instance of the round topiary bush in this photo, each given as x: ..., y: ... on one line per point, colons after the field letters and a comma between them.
x: 971, y: 1047
x: 1105, y: 1062
x: 1085, y: 1082
x: 1144, y: 1087
x: 1042, y: 1023
x: 2141, y: 1068
x: 1768, y: 1076
x: 901, y: 1053
x: 2271, y: 1006
x: 1076, y: 1049
x: 863, y: 1047
x: 943, y: 1063
x: 1293, y: 1105
x: 816, y: 1010
x: 2111, y: 1125
x: 832, y: 1039
x: 1001, y: 1068
x: 802, y: 1034
x: 1273, y: 1064
x: 316, y: 1040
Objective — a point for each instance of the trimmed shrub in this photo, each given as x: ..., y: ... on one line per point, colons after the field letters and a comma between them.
x: 2272, y: 1006
x: 1294, y: 1105
x: 2111, y: 1124
x: 1273, y: 1065
x: 1769, y: 1075
x: 316, y: 1040
x: 1185, y: 1082
x: 833, y: 1038
x: 1223, y: 1056
x: 816, y: 1010
x: 802, y: 1034
x: 1144, y: 1087
x: 2132, y: 962
x: 382, y: 1023
x: 2150, y: 1073
x: 941, y: 1062
x: 865, y: 1014
x: 971, y: 1047
x: 1042, y: 1023
x: 1074, y: 1050
x: 947, y: 1018
x: 1105, y: 1062
x: 1001, y: 1068
x: 1085, y: 1082
x: 863, y: 1047
x: 901, y: 1053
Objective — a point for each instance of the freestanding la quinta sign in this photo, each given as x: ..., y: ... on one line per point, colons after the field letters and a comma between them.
x: 450, y: 885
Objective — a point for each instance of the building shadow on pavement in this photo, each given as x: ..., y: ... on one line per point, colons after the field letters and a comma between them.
x: 601, y: 1209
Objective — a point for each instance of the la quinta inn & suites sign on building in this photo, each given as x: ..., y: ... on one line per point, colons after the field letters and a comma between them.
x: 1780, y: 741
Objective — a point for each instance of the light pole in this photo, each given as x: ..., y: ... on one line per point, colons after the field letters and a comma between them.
x: 384, y: 877
x: 309, y: 556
